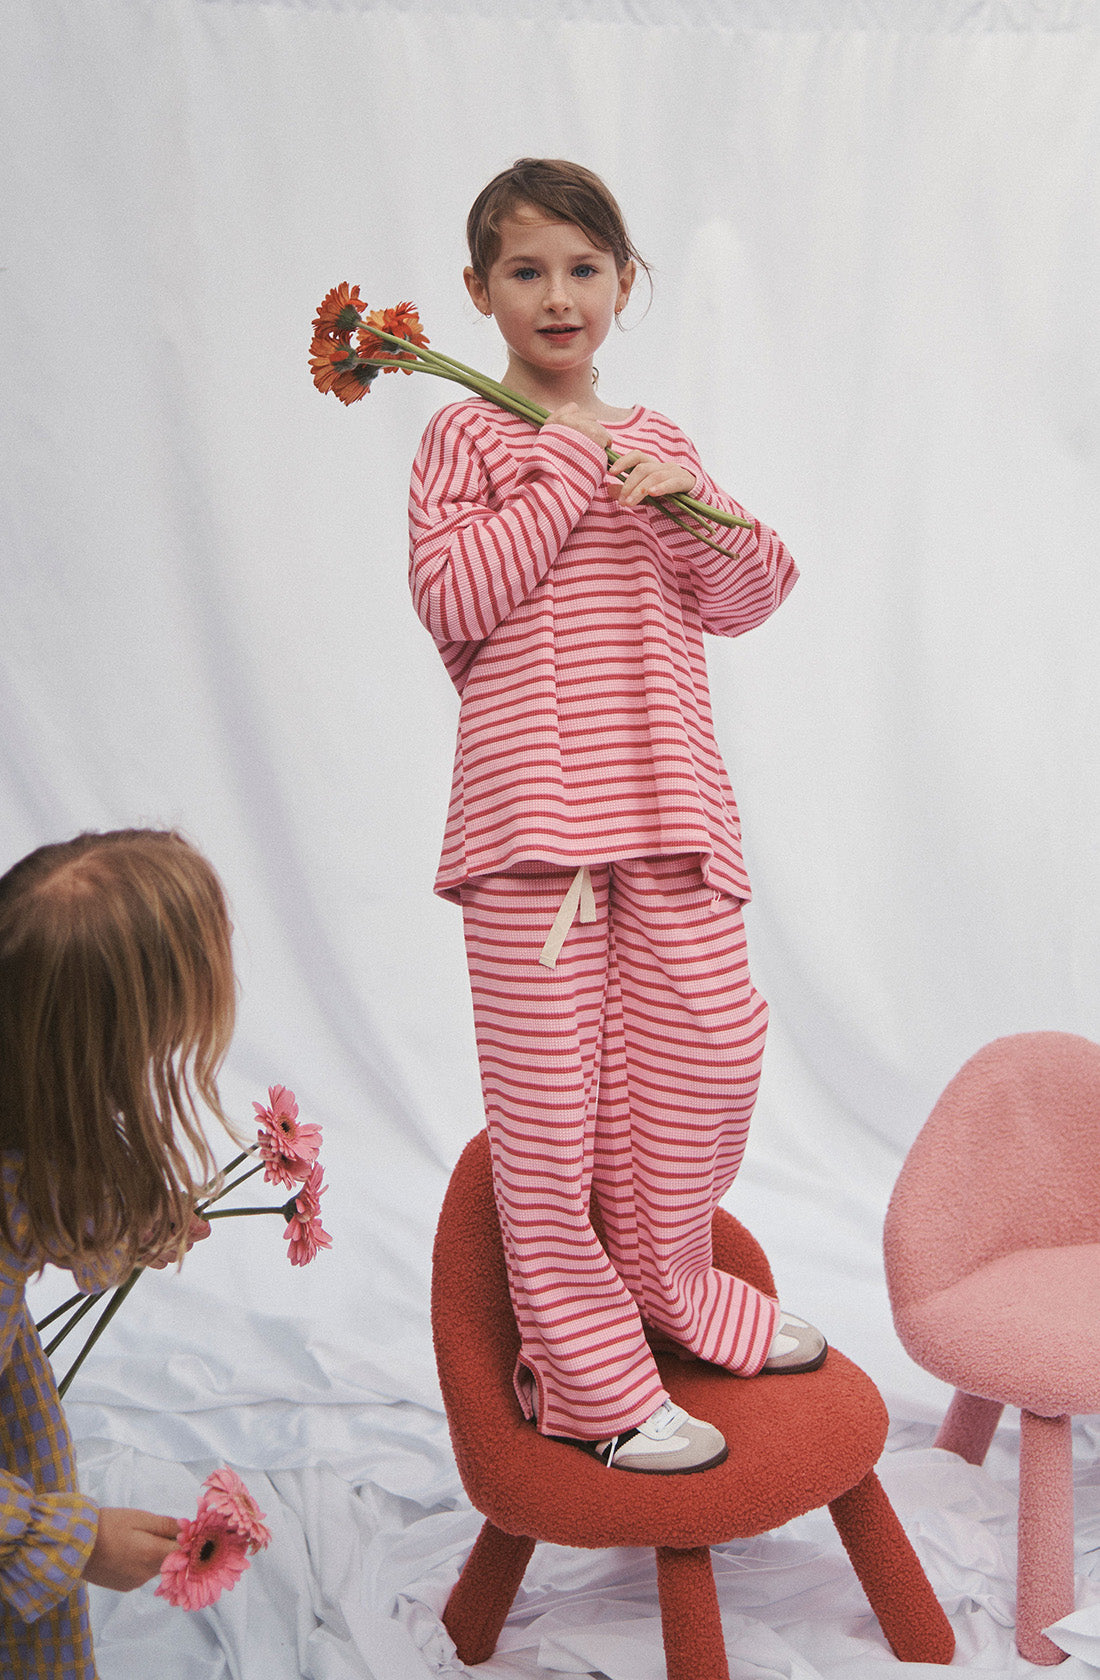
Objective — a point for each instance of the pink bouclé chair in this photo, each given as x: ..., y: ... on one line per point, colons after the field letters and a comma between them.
x: 993, y: 1264
x: 796, y: 1443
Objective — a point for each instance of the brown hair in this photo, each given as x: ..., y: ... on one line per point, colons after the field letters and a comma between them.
x: 117, y: 1001
x: 567, y: 192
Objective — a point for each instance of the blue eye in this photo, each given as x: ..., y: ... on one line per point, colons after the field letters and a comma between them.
x: 584, y: 270
x: 525, y: 273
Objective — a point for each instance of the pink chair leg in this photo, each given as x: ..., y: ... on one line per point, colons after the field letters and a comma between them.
x: 690, y: 1622
x: 891, y: 1575
x: 1044, y: 1552
x: 482, y: 1597
x: 969, y: 1426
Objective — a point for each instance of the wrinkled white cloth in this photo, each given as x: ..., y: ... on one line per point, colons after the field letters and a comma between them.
x: 875, y: 245
x: 356, y: 1576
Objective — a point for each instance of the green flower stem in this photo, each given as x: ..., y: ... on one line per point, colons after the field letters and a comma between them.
x: 694, y: 529
x: 426, y: 360
x: 201, y: 1209
x: 73, y: 1301
x: 87, y: 1302
x: 508, y: 399
x: 241, y: 1213
x: 237, y: 1161
x: 84, y: 1303
x: 106, y: 1316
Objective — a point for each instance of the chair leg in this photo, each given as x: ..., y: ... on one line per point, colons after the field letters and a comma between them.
x: 891, y: 1575
x: 1044, y: 1547
x: 484, y: 1592
x: 690, y: 1623
x: 969, y: 1426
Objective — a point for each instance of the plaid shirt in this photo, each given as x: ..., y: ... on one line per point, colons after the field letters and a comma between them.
x: 47, y: 1528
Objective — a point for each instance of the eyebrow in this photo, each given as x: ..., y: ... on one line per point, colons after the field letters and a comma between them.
x: 580, y: 256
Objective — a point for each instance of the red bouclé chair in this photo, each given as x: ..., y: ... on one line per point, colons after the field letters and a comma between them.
x: 993, y: 1262
x: 796, y: 1443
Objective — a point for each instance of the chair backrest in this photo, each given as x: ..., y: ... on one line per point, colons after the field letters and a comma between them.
x: 1008, y: 1159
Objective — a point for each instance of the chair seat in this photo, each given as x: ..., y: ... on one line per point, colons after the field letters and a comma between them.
x: 1023, y: 1329
x: 796, y: 1443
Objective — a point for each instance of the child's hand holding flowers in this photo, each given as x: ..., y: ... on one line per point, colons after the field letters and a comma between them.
x: 393, y: 341
x: 214, y: 1549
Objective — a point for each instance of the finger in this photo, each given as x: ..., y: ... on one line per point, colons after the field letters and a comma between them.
x: 639, y: 484
x: 162, y: 1528
x: 154, y: 1552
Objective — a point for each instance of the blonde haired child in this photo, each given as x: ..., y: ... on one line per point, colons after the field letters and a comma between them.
x: 593, y: 839
x: 117, y: 1002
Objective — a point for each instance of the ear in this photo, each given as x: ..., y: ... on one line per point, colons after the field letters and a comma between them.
x: 477, y: 290
x: 626, y: 282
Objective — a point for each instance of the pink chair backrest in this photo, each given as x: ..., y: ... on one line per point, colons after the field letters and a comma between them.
x: 1009, y: 1158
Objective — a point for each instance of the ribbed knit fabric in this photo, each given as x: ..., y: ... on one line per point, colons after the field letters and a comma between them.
x: 630, y: 1070
x: 572, y: 629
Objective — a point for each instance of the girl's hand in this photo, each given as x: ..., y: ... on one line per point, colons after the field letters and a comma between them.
x: 198, y: 1229
x: 130, y: 1547
x: 571, y: 415
x: 642, y: 476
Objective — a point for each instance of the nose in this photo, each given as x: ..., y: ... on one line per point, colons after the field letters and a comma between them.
x: 557, y: 294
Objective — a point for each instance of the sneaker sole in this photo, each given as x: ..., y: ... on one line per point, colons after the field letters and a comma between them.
x: 671, y: 1469
x: 798, y: 1370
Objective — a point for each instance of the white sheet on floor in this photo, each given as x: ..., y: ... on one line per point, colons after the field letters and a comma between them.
x: 875, y: 234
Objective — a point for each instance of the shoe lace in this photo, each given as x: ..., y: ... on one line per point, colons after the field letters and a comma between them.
x: 664, y: 1421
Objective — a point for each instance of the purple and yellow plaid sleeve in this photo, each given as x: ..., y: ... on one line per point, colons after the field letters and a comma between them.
x: 47, y: 1528
x: 45, y: 1541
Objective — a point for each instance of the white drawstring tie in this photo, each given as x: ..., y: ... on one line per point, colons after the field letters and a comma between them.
x: 580, y: 896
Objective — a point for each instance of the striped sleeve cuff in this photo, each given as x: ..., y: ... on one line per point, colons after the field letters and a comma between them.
x: 572, y: 457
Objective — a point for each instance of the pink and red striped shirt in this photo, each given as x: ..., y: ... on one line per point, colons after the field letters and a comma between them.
x: 573, y: 631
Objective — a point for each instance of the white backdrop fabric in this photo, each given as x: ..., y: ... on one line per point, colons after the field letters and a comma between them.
x: 874, y: 234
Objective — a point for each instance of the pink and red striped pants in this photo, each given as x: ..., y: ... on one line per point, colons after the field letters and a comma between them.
x: 626, y: 1075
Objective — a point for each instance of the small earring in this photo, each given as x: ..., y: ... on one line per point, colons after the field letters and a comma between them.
x: 595, y: 376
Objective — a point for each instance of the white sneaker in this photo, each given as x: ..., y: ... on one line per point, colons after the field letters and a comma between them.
x: 668, y: 1443
x: 796, y: 1346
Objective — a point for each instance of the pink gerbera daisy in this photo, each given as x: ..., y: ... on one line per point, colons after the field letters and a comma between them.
x: 305, y: 1233
x: 227, y: 1495
x: 209, y: 1560
x: 288, y: 1148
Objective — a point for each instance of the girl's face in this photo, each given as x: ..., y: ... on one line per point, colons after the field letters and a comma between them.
x: 553, y: 292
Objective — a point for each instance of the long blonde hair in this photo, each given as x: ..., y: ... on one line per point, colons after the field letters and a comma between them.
x: 117, y: 1001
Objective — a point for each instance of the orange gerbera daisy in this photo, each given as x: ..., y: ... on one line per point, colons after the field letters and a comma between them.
x: 336, y: 367
x: 403, y: 322
x: 340, y: 312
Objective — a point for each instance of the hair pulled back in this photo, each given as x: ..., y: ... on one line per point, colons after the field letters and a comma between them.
x: 117, y: 1001
x: 565, y: 192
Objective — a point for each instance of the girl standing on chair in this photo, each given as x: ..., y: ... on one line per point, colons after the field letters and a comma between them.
x: 593, y: 840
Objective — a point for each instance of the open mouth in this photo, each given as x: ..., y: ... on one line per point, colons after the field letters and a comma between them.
x: 558, y: 332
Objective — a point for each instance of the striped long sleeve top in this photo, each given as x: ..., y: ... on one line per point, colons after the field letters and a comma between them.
x: 573, y: 631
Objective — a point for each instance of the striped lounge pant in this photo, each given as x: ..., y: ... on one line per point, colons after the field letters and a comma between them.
x: 624, y: 1076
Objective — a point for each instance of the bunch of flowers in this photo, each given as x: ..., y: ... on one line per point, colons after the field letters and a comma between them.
x: 214, y: 1549
x: 352, y: 345
x: 287, y: 1151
